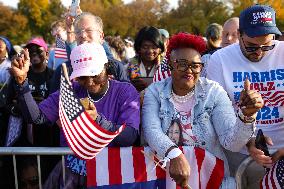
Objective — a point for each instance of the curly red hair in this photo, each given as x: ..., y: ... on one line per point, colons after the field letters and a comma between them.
x: 186, y: 40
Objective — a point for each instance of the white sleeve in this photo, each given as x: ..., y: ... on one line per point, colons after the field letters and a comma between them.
x: 215, y: 70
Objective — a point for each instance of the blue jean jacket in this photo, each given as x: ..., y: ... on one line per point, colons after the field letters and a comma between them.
x: 213, y: 119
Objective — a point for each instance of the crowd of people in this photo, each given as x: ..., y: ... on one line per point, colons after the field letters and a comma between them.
x: 213, y: 92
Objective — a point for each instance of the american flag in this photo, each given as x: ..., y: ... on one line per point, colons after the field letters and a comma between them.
x: 274, y: 178
x: 129, y: 168
x: 85, y: 137
x: 60, y: 49
x: 273, y: 98
x: 163, y: 71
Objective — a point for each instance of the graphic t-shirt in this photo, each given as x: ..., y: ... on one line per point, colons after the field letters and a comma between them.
x: 230, y: 68
x: 39, y: 83
x: 180, y: 131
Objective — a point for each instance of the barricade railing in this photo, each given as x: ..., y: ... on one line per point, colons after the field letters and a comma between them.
x: 37, y: 151
x: 61, y: 151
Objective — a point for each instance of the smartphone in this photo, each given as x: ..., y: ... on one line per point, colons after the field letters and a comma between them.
x: 260, y: 143
x: 73, y: 7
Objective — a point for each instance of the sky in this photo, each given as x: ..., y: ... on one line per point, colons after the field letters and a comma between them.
x: 13, y: 3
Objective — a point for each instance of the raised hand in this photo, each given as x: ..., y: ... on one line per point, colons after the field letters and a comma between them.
x: 250, y: 100
x: 69, y: 19
x: 20, y: 66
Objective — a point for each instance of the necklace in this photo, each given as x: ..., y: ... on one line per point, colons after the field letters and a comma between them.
x: 93, y: 101
x: 148, y: 68
x: 183, y: 99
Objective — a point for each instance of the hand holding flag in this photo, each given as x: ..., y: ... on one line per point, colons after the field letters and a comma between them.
x: 180, y: 170
x: 91, y: 110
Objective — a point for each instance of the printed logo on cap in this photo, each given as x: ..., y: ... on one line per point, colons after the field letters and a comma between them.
x: 82, y: 60
x: 262, y: 17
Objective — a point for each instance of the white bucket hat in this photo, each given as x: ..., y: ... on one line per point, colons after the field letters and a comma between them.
x: 88, y: 59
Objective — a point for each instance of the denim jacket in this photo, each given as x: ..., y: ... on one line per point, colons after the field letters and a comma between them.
x: 213, y: 119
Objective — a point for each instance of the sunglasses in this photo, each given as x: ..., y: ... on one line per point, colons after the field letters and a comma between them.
x: 183, y: 65
x: 253, y: 49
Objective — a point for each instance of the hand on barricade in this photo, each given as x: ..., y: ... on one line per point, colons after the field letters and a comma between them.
x: 250, y: 100
x: 258, y: 155
x: 180, y: 170
x: 20, y: 66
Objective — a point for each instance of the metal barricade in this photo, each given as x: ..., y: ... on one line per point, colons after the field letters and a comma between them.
x: 37, y: 151
x: 241, y: 169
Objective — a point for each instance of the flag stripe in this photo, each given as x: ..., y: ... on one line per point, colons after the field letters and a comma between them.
x: 91, y: 131
x: 194, y: 175
x: 216, y: 182
x: 200, y: 157
x: 160, y: 173
x: 86, y: 137
x: 114, y: 166
x: 208, y: 165
x: 139, y: 165
x: 126, y: 170
x: 102, y: 169
x: 271, y: 177
x: 266, y: 181
x: 149, y: 161
x: 97, y: 129
x: 91, y: 170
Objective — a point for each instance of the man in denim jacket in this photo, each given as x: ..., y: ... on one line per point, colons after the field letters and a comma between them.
x: 203, y: 107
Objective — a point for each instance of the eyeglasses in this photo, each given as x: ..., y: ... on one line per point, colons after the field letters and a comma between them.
x: 253, y: 49
x: 183, y: 65
x: 88, y: 31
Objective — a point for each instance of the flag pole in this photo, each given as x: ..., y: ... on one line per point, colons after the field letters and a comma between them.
x: 65, y: 73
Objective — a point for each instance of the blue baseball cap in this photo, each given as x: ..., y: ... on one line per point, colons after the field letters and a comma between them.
x: 258, y: 20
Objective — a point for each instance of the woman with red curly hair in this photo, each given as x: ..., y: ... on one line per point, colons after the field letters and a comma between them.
x: 203, y: 108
